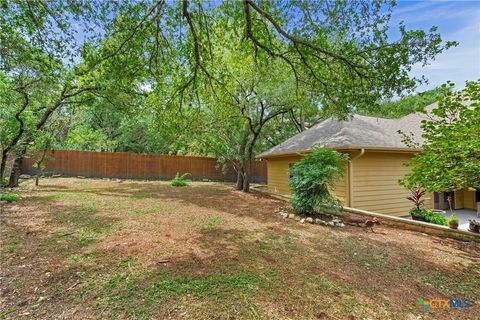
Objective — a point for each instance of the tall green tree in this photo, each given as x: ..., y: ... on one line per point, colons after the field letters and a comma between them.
x: 338, y: 54
x: 404, y: 106
x: 36, y: 56
x: 450, y: 159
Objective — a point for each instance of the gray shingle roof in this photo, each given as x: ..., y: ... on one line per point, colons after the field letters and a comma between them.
x: 357, y: 132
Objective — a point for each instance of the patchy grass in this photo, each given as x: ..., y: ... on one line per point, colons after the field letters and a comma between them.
x: 144, y: 292
x: 8, y: 197
x: 212, y: 222
x: 11, y: 247
x: 146, y: 250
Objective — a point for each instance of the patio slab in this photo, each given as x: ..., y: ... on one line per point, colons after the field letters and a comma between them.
x: 463, y: 216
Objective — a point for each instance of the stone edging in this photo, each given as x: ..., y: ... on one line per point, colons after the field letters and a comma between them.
x: 402, y: 223
x: 420, y: 226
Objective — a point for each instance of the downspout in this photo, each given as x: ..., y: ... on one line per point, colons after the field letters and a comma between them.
x: 350, y: 177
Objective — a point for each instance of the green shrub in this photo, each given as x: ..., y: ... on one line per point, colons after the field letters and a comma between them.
x: 417, y: 212
x: 429, y: 216
x: 179, y: 180
x: 313, y: 177
x: 436, y: 218
x: 9, y: 197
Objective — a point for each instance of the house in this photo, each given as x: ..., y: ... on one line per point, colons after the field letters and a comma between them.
x: 377, y: 157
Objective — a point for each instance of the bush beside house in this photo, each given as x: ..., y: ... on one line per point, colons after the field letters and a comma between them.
x: 313, y: 177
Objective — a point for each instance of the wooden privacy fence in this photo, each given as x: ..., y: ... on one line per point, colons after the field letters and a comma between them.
x: 137, y: 166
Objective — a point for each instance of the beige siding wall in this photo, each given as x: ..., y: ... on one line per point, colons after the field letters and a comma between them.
x: 469, y: 200
x: 277, y: 173
x: 458, y: 201
x: 465, y: 199
x: 341, y: 188
x: 375, y: 183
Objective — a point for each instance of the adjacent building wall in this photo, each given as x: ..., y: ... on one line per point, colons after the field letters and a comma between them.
x: 465, y: 199
x: 277, y: 173
x: 375, y: 183
x: 277, y: 177
x: 469, y: 201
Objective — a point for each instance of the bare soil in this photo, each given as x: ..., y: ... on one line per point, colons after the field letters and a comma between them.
x: 92, y: 248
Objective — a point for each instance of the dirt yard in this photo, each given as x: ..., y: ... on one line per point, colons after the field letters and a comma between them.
x: 97, y: 249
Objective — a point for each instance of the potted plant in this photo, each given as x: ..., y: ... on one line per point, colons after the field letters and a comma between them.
x: 453, y: 221
x: 417, y: 212
x: 474, y: 226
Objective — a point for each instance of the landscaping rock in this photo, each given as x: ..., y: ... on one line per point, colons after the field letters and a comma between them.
x: 56, y: 175
x: 297, y: 218
x: 302, y: 220
x: 309, y: 220
x: 291, y: 216
x: 337, y: 222
x: 320, y: 222
x: 25, y: 176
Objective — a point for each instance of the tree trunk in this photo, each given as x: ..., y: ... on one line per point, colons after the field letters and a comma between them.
x: 16, y: 172
x: 3, y: 165
x: 246, y: 178
x: 241, y: 155
x: 248, y: 162
x: 240, y: 175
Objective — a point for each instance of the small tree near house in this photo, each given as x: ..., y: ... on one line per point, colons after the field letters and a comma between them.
x: 312, y: 179
x: 450, y: 157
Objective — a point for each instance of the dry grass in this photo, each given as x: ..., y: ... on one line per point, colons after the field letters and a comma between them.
x: 79, y: 248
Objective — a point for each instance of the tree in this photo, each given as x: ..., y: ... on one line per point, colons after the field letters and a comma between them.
x: 237, y: 49
x: 404, y: 106
x: 450, y: 157
x: 172, y: 49
x: 36, y: 58
x: 246, y: 95
x: 346, y: 63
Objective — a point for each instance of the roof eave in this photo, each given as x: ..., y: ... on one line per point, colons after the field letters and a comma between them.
x: 300, y: 152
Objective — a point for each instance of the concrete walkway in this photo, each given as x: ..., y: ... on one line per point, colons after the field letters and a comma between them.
x: 463, y: 216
